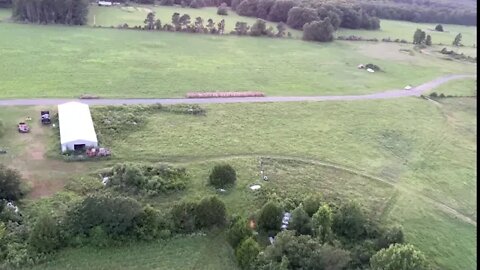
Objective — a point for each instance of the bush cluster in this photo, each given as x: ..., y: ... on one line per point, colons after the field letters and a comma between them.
x: 148, y: 179
x: 222, y: 175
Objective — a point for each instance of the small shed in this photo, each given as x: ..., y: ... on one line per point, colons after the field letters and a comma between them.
x: 76, y: 126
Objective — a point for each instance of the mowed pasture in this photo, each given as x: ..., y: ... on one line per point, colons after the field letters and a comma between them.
x: 190, y: 252
x: 56, y: 61
x: 421, y: 154
x: 405, y: 30
x: 135, y: 16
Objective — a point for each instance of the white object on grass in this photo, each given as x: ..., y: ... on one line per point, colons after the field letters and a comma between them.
x: 255, y: 187
x: 370, y: 70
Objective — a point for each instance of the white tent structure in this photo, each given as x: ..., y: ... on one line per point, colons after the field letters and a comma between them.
x: 76, y: 126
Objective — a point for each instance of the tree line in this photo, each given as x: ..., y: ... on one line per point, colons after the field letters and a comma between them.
x: 296, y: 15
x: 72, y: 12
x: 433, y: 13
x: 318, y: 30
x: 319, y: 236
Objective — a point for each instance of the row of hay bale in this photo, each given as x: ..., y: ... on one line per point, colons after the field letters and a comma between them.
x: 224, y: 94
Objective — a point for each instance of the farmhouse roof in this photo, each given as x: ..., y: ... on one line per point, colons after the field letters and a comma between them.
x: 75, y: 123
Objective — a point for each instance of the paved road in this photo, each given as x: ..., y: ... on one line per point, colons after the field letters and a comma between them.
x: 416, y: 91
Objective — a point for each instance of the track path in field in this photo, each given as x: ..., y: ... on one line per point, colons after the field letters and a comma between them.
x: 389, y: 94
x: 439, y: 205
x: 416, y: 91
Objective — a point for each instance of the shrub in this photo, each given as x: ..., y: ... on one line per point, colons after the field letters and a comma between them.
x: 300, y: 221
x: 247, y: 8
x: 311, y: 204
x: 259, y: 28
x: 149, y: 179
x: 279, y: 10
x: 222, y: 9
x: 299, y: 16
x: 116, y: 215
x: 197, y: 4
x: 433, y: 95
x: 45, y: 235
x: 152, y: 224
x: 183, y: 217
x: 399, y: 256
x: 238, y: 231
x: 349, y: 222
x: 247, y: 252
x: 210, y: 212
x: 439, y: 28
x: 222, y: 175
x: 322, y: 223
x: 10, y: 184
x: 270, y: 217
x: 318, y: 31
x: 393, y: 235
x: 263, y: 8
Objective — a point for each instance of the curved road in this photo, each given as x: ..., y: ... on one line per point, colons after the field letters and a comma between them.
x: 416, y: 91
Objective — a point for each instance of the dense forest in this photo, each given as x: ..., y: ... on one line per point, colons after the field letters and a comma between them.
x: 72, y: 12
x: 351, y: 14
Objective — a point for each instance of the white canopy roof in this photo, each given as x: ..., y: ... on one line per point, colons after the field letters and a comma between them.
x: 75, y: 123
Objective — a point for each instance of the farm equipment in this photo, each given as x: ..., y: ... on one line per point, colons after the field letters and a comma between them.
x: 98, y: 152
x: 45, y: 117
x: 23, y: 127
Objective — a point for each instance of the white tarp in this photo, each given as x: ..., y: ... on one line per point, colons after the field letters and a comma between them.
x: 76, y: 126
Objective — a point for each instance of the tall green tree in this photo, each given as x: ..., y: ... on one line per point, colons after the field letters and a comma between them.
x: 150, y: 21
x: 322, y: 222
x: 300, y: 221
x: 45, y: 235
x: 176, y: 21
x: 458, y: 40
x: 247, y: 252
x: 270, y: 217
x: 241, y: 28
x: 238, y: 231
x: 349, y: 222
x: 199, y: 25
x: 399, y: 257
x: 419, y: 36
x: 10, y: 184
x: 221, y: 26
x: 281, y: 28
x: 318, y: 31
x: 311, y: 204
x: 428, y: 40
x: 259, y: 28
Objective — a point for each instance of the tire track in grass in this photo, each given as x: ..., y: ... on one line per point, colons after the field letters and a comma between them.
x: 439, y: 205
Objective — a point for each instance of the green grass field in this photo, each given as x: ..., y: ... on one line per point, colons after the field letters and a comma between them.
x: 405, y: 30
x: 190, y: 252
x: 458, y: 88
x: 427, y: 159
x: 135, y: 15
x: 55, y: 61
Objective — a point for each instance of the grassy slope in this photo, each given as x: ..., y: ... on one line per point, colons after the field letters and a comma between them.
x: 46, y: 61
x: 191, y: 252
x: 405, y: 30
x: 465, y: 87
x: 135, y: 15
x: 429, y: 151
